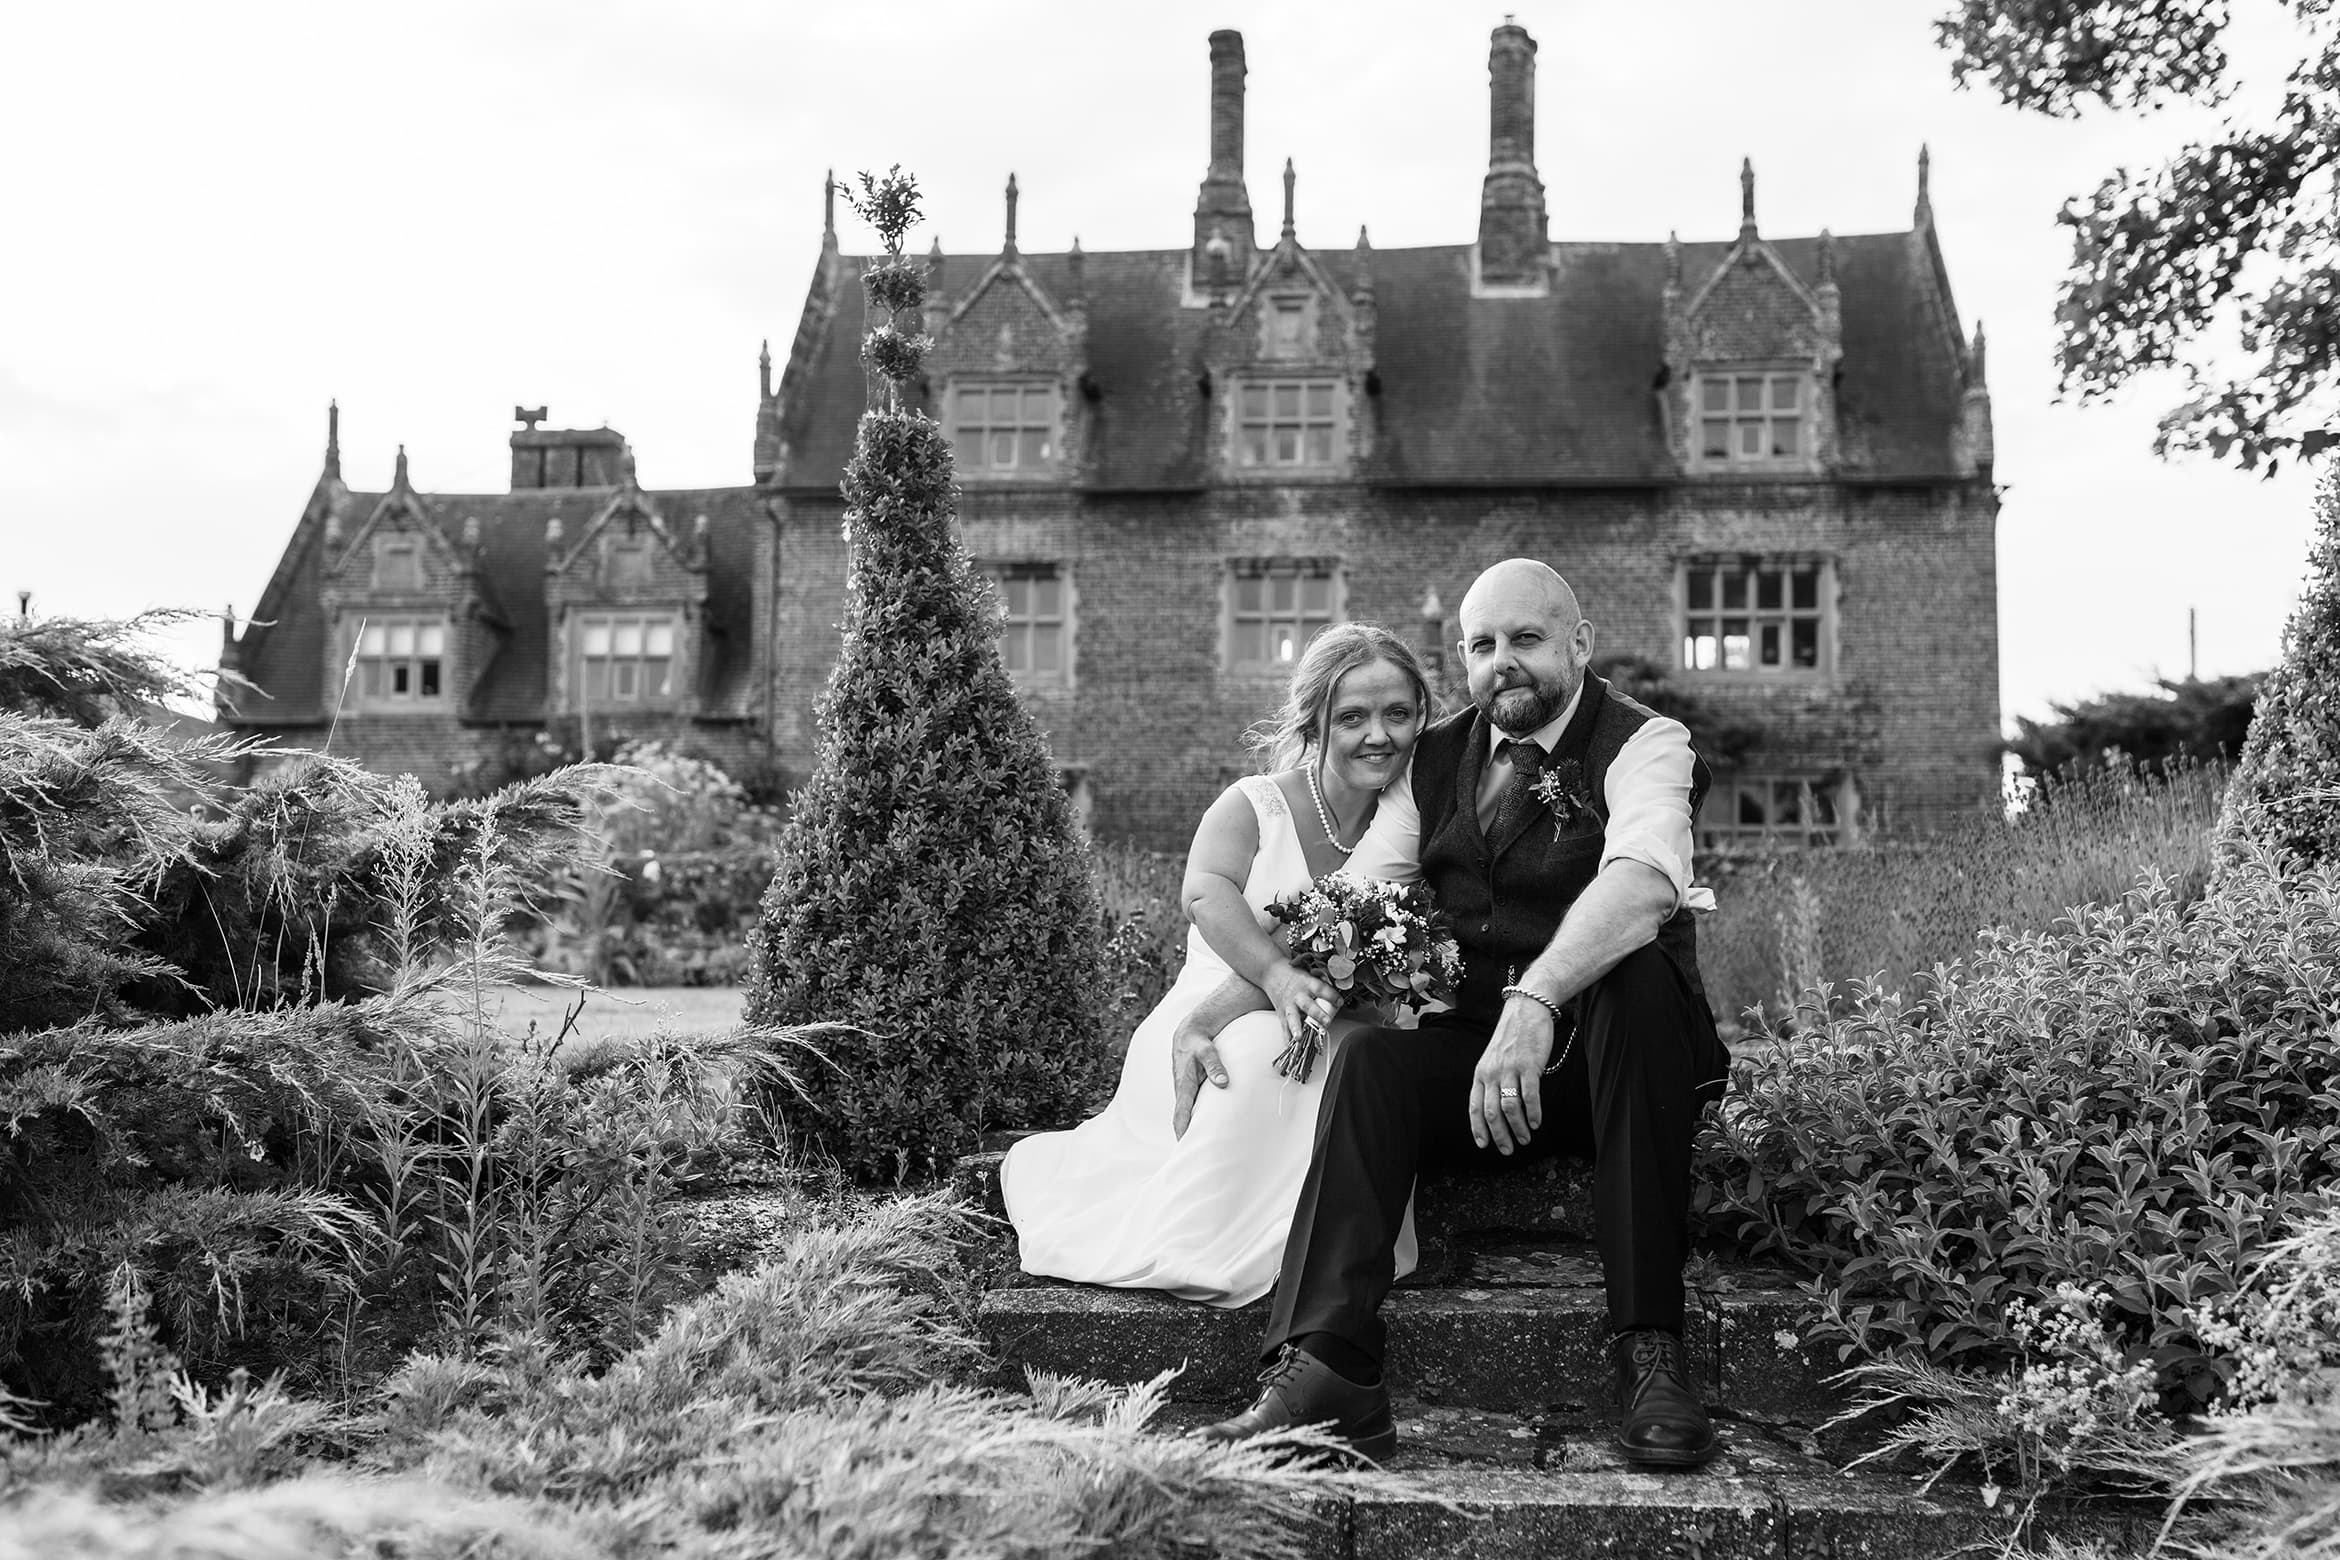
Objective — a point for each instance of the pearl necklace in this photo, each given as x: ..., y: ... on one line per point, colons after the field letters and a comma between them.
x: 1324, y: 816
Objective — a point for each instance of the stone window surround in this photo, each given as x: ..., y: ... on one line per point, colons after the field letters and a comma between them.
x: 1253, y: 402
x: 1734, y: 418
x: 1048, y: 425
x: 1796, y: 808
x: 408, y: 647
x: 1772, y: 627
x: 645, y: 626
x: 1299, y: 614
x: 1020, y: 631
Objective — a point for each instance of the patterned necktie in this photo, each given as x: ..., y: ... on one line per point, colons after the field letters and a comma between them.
x: 1519, y: 795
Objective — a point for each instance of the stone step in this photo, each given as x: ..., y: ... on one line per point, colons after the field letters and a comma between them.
x: 1505, y: 1326
x: 1550, y: 1197
x: 1549, y: 1484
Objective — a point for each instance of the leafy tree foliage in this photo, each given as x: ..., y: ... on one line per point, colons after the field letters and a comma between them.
x: 2198, y: 718
x: 2241, y: 229
x: 2287, y: 788
x: 1721, y: 735
x: 932, y: 890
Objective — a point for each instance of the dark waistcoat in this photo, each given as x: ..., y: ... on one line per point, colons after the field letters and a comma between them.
x: 1506, y: 896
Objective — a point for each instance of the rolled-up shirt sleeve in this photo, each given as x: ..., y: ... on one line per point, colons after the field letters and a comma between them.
x: 1648, y: 792
x: 1392, y: 847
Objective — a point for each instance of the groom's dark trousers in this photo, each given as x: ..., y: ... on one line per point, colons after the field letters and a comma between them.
x: 1643, y: 1059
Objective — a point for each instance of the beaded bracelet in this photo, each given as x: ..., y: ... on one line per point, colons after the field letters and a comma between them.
x: 1537, y: 997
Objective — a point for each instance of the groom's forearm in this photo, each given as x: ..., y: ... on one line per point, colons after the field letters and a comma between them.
x: 1619, y: 913
x: 1226, y: 1002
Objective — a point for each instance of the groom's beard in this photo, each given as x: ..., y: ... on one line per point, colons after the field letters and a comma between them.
x: 1528, y: 707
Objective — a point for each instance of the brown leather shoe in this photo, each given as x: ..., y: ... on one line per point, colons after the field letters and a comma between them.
x: 1665, y: 1424
x: 1300, y: 1389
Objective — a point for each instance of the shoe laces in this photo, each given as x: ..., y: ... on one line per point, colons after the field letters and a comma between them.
x: 1651, y: 1351
x: 1283, y: 1367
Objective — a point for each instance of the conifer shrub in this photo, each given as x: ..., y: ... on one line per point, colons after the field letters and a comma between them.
x: 2134, y: 1103
x: 2287, y: 787
x: 933, y: 891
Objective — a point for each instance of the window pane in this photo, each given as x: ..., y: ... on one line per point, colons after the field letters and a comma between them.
x: 658, y: 638
x: 1320, y: 400
x: 1287, y: 403
x: 1015, y: 649
x: 1783, y: 394
x: 401, y: 679
x: 623, y: 685
x: 1002, y: 452
x: 1254, y: 446
x: 1047, y: 647
x: 371, y: 642
x: 1003, y: 405
x: 1048, y: 598
x: 1287, y: 646
x: 597, y: 638
x: 1751, y: 812
x: 597, y: 682
x: 1804, y: 641
x: 628, y: 637
x: 1316, y: 595
x: 402, y: 638
x: 430, y: 679
x: 1031, y: 447
x: 1767, y: 645
x: 1251, y: 641
x: 970, y: 408
x: 1247, y: 594
x: 1320, y: 446
x: 1700, y: 591
x: 655, y: 670
x: 1255, y: 403
x: 1751, y: 438
x: 1734, y: 590
x: 1786, y: 435
x: 1767, y: 589
x: 1822, y: 806
x: 1040, y: 404
x: 1698, y: 652
x: 1715, y: 394
x: 1714, y: 439
x: 370, y: 679
x: 1807, y: 588
x: 1750, y: 397
x: 1287, y: 446
x: 1283, y: 592
x: 1019, y: 598
x: 433, y: 639
x: 1735, y: 645
x: 1787, y: 802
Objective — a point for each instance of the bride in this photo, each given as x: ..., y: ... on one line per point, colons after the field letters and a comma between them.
x: 1188, y: 1189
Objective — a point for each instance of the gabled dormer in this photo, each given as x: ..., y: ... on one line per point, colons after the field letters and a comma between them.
x: 392, y: 591
x: 626, y: 608
x: 1289, y: 362
x: 1007, y: 367
x: 1751, y: 357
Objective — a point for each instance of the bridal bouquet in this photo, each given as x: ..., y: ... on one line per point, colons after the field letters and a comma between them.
x: 1371, y: 940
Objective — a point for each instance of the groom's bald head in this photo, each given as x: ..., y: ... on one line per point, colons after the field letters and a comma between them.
x: 1525, y: 644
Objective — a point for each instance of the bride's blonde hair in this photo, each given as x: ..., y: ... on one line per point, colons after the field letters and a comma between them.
x: 1335, y: 652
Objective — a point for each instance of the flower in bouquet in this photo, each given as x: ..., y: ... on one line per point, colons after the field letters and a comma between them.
x: 1370, y: 940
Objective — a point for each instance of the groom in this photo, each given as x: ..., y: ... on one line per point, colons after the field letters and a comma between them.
x: 1552, y: 820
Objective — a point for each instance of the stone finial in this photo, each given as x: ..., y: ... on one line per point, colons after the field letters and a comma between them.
x: 1746, y: 199
x: 829, y: 211
x: 399, y: 482
x: 1290, y: 178
x: 1827, y: 260
x: 333, y: 440
x: 764, y: 370
x: 227, y: 629
x: 1974, y: 357
x: 1924, y: 212
x: 1076, y: 270
x: 1009, y: 248
x: 1363, y: 286
x: 1674, y: 260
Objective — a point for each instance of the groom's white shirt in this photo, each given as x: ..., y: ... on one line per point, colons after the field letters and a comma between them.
x: 1647, y: 789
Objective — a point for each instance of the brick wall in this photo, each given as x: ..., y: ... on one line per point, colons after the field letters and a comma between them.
x: 1911, y: 707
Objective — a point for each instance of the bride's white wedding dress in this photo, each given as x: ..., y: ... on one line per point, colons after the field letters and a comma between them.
x: 1118, y: 1200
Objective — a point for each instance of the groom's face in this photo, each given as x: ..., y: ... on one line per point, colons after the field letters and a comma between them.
x: 1524, y: 652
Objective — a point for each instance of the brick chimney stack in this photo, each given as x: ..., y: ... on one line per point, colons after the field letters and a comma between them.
x: 1513, y: 243
x: 1224, y: 209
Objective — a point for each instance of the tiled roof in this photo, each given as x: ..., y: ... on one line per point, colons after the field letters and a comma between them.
x: 285, y: 657
x: 1534, y: 391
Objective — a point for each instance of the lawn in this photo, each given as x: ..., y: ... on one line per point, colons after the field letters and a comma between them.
x: 632, y: 1010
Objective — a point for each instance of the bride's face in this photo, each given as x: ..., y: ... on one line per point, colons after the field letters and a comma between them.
x: 1371, y: 726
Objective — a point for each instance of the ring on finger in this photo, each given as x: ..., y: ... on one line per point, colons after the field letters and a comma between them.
x: 1509, y: 1091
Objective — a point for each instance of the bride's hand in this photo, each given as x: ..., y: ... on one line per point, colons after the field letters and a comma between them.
x: 1299, y: 1000
x: 1193, y: 1057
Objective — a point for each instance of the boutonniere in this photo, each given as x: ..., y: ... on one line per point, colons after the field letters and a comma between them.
x: 1560, y: 786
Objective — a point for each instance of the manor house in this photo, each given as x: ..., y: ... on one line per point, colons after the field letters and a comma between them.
x: 1764, y: 462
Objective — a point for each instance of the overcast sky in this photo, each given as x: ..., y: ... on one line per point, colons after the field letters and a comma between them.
x: 221, y: 216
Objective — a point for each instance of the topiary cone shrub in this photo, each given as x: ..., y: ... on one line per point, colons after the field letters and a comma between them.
x: 932, y: 889
x: 2286, y: 789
